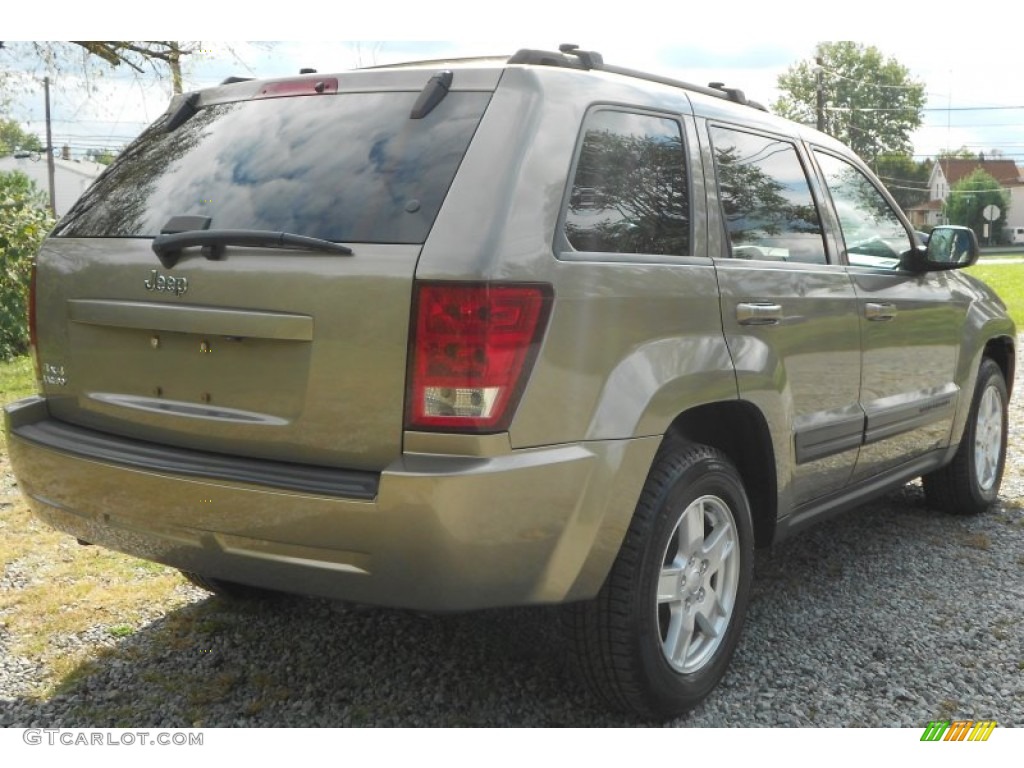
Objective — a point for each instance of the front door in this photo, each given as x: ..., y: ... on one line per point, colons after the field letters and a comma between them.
x: 911, y: 324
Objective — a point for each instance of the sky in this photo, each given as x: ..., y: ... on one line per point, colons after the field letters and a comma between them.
x: 746, y: 45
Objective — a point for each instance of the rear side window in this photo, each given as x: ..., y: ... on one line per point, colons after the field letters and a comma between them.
x: 769, y: 210
x: 349, y: 167
x: 630, y: 193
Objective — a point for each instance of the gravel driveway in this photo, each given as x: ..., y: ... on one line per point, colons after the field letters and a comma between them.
x: 892, y: 615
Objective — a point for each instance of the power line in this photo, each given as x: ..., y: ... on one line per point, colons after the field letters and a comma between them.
x: 916, y: 86
x: 924, y: 188
x: 1016, y: 126
x: 908, y: 189
x: 966, y: 109
x: 916, y: 109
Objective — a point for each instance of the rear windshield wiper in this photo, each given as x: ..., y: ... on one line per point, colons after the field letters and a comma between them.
x: 168, y: 247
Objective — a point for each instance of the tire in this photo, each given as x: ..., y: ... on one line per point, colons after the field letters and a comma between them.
x: 661, y: 632
x: 229, y: 590
x: 969, y: 484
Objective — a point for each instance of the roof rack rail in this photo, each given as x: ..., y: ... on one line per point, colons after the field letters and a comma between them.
x: 234, y: 79
x: 570, y: 56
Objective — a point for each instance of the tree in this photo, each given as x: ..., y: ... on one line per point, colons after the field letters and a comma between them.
x: 905, y: 178
x: 968, y: 199
x: 161, y: 57
x: 101, y: 156
x: 638, y: 183
x: 24, y: 222
x: 12, y: 137
x: 957, y: 154
x: 869, y: 102
x: 150, y: 53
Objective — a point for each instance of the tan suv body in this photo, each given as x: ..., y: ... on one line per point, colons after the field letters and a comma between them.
x: 597, y: 335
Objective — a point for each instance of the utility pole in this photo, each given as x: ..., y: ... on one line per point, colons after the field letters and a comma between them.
x: 49, y: 148
x: 820, y: 90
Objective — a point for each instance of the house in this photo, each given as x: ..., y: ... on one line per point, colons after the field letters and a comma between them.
x: 70, y: 177
x: 949, y: 171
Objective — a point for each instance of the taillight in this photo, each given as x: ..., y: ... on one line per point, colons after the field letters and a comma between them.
x: 33, y: 348
x: 471, y: 351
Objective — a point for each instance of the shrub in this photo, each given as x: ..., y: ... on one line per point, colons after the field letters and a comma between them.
x: 24, y: 222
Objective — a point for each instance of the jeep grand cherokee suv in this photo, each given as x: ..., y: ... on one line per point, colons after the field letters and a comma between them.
x: 447, y: 336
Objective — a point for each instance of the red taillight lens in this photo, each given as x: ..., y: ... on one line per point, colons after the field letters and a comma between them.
x: 472, y: 348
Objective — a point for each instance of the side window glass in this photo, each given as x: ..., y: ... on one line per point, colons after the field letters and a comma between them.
x: 630, y: 193
x: 769, y: 210
x: 873, y: 233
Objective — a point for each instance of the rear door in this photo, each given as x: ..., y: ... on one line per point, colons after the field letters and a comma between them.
x: 289, y: 354
x: 790, y: 316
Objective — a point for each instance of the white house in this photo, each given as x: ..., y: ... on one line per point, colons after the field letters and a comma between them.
x: 70, y: 177
x: 947, y: 172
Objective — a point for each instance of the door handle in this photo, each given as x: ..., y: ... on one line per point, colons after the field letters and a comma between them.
x: 758, y: 314
x: 878, y: 312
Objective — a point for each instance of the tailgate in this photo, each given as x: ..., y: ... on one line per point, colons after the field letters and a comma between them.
x: 268, y: 352
x: 283, y: 355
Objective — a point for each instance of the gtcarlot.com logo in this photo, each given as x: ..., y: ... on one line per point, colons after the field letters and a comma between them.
x: 69, y: 737
x: 958, y: 730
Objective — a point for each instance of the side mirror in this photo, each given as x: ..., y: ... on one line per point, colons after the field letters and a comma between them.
x: 948, y: 248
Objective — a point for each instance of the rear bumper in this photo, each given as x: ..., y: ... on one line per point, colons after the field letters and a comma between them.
x: 439, y: 532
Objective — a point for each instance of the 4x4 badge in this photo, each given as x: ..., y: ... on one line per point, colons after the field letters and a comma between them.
x: 158, y: 282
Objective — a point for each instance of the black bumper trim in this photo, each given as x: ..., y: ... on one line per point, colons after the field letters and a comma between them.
x: 99, y: 446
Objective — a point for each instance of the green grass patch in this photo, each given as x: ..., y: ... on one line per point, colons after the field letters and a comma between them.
x: 978, y: 541
x: 121, y: 630
x: 17, y: 379
x: 1008, y: 281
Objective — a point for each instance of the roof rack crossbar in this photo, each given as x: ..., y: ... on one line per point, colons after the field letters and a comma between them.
x: 569, y: 55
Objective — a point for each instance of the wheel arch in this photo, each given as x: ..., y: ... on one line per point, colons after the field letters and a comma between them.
x: 739, y: 430
x: 1002, y: 352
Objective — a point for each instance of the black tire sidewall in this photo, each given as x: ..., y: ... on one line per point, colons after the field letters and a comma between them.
x: 670, y: 689
x: 989, y: 374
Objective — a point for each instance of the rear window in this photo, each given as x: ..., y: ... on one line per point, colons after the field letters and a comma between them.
x: 350, y: 167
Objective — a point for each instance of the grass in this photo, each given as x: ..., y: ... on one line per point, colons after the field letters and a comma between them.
x: 978, y: 541
x: 66, y: 589
x: 1008, y: 282
x: 17, y: 379
x: 71, y: 590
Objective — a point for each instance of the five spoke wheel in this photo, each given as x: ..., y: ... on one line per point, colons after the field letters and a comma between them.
x: 658, y: 637
x: 988, y: 437
x: 698, y: 583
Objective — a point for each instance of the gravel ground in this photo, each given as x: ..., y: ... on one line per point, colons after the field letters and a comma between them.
x: 892, y: 615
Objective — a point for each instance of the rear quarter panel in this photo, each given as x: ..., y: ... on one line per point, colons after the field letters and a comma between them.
x: 630, y: 343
